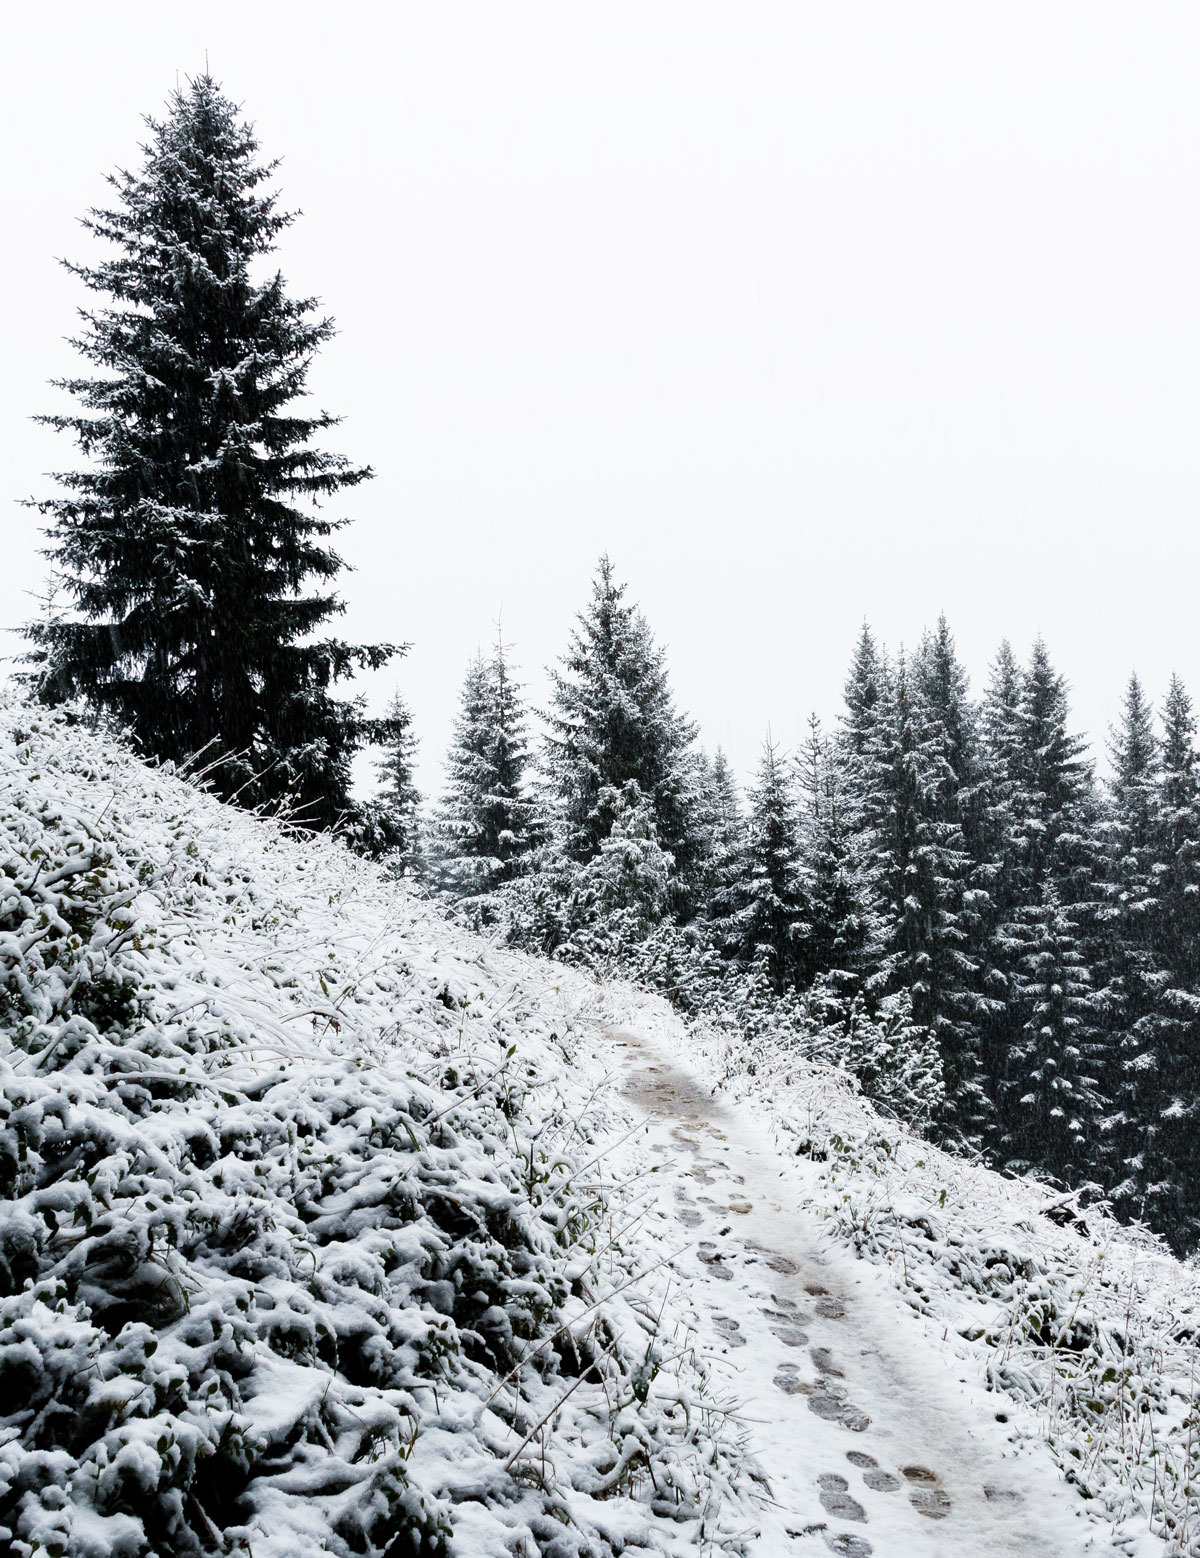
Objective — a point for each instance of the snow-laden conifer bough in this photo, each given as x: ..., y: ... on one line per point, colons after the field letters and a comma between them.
x: 327, y: 1227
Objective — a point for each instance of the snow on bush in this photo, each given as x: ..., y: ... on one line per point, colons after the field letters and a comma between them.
x: 296, y: 1251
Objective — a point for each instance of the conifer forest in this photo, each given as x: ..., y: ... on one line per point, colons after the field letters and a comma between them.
x: 988, y: 930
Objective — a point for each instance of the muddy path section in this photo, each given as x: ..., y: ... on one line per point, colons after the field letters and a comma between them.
x: 867, y: 1445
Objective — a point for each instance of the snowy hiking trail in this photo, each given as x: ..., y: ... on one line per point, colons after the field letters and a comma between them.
x: 872, y: 1443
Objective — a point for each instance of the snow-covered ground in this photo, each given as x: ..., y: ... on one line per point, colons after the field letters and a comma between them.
x: 871, y: 1440
x: 324, y: 1225
x: 928, y: 1357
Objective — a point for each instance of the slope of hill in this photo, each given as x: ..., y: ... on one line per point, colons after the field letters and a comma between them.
x: 327, y: 1227
x: 304, y: 1242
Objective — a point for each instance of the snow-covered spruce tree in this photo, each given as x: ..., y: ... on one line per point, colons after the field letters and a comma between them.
x: 613, y: 723
x: 920, y: 858
x: 1055, y: 1057
x: 193, y: 578
x: 627, y: 881
x: 1159, y: 1065
x: 769, y: 923
x: 486, y: 823
x: 863, y: 741
x: 865, y: 746
x: 1001, y: 867
x: 388, y: 826
x: 943, y: 939
x: 1056, y: 829
x: 1053, y: 852
x: 1126, y: 964
x: 1173, y: 1177
x: 720, y: 830
x: 845, y: 950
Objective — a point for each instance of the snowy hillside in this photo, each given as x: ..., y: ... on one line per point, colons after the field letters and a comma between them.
x: 304, y: 1243
x: 326, y: 1227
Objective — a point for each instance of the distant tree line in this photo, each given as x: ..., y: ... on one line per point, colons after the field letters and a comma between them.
x: 1004, y: 950
x: 937, y: 891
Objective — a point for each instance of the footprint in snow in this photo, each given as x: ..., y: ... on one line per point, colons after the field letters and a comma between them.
x: 730, y: 1330
x: 789, y: 1317
x: 830, y: 1308
x: 924, y: 1497
x: 788, y: 1380
x: 1001, y: 1495
x: 931, y: 1502
x: 715, y: 1261
x: 690, y: 1217
x: 835, y: 1409
x: 878, y: 1480
x: 836, y: 1499
x: 781, y: 1264
x: 741, y: 1207
x: 847, y: 1546
x: 823, y: 1361
x: 790, y: 1336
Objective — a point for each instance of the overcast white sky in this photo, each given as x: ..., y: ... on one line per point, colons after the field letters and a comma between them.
x: 805, y: 312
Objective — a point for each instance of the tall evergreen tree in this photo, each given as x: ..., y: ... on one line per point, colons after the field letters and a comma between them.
x: 1162, y: 1084
x: 927, y: 869
x: 1056, y: 828
x: 612, y: 724
x: 1001, y: 868
x: 866, y: 748
x: 719, y: 829
x: 1177, y: 847
x: 1133, y: 750
x: 1055, y: 1056
x: 486, y: 821
x: 866, y: 692
x: 193, y: 576
x: 769, y: 924
x: 1126, y: 963
x: 1053, y: 866
x: 846, y: 946
x: 389, y: 826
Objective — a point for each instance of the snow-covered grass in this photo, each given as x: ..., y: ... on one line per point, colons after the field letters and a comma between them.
x: 306, y: 1239
x: 1087, y: 1331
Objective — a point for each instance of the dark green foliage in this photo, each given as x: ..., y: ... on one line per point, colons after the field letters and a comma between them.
x: 720, y: 829
x: 1152, y: 919
x: 486, y: 825
x: 1055, y: 1059
x: 388, y: 827
x: 769, y: 925
x: 188, y: 565
x: 612, y: 724
x: 846, y: 946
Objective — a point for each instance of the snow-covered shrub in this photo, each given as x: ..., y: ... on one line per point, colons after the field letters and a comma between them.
x: 1083, y: 1325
